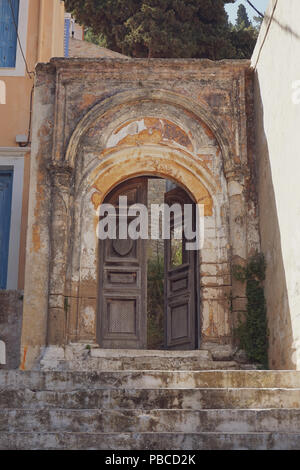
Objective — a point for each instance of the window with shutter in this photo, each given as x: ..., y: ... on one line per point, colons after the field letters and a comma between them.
x: 9, y: 11
x: 67, y: 36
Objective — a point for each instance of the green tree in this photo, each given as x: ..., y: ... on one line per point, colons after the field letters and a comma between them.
x: 159, y: 28
x: 257, y: 22
x: 242, y: 20
x: 97, y: 39
x: 244, y: 41
x: 243, y: 35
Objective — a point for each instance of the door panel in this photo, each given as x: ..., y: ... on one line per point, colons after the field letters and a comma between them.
x: 180, y: 297
x: 123, y: 280
x: 6, y: 179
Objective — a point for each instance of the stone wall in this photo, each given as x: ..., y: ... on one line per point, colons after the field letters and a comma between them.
x: 277, y: 74
x: 11, y: 306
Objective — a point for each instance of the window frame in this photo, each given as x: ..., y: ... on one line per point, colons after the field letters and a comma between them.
x: 19, y: 69
x: 13, y: 158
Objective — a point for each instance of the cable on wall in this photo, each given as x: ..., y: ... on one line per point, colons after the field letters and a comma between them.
x: 31, y: 74
x: 266, y: 34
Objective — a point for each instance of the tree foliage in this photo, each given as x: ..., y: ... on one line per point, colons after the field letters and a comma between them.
x: 98, y: 39
x: 243, y: 41
x: 159, y: 28
x: 243, y: 34
x: 242, y: 20
x: 166, y: 28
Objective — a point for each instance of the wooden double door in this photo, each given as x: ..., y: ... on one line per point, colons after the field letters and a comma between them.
x: 122, y: 310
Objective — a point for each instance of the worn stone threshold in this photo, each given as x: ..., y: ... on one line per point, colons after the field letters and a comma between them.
x: 89, y: 356
x: 199, y: 353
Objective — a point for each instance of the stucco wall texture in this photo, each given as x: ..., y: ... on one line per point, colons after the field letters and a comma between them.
x: 11, y: 304
x: 277, y: 104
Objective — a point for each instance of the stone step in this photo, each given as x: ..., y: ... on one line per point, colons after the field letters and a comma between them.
x: 68, y: 381
x: 149, y: 441
x: 77, y: 357
x: 197, y: 398
x: 145, y: 421
x: 165, y: 364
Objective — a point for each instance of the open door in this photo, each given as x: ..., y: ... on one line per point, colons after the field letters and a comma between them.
x: 180, y: 288
x: 123, y: 280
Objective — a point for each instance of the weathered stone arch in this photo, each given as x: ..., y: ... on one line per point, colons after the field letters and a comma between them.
x: 114, y: 167
x: 111, y: 166
x: 200, y: 111
x: 121, y: 164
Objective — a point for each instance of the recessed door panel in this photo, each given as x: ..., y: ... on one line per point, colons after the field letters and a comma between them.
x: 122, y: 316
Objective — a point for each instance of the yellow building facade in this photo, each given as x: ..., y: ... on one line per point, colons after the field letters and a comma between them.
x: 31, y: 30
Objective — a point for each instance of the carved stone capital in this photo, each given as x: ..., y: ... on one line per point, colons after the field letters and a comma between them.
x: 61, y: 175
x: 235, y: 172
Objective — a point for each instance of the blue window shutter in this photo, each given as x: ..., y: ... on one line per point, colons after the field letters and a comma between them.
x: 6, y: 181
x: 67, y: 36
x: 8, y: 34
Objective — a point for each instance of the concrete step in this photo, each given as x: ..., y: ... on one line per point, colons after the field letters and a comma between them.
x: 69, y: 381
x: 163, y: 398
x: 149, y: 441
x: 145, y: 421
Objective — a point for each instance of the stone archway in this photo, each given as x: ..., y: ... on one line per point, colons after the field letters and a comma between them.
x: 174, y: 134
x: 127, y: 163
x: 121, y: 165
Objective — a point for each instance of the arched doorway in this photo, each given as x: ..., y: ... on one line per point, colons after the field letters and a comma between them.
x: 92, y: 136
x: 148, y: 296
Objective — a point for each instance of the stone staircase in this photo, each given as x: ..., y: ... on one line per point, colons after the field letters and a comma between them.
x: 150, y: 409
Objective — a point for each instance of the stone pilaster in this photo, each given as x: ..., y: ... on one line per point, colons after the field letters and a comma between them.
x: 61, y: 183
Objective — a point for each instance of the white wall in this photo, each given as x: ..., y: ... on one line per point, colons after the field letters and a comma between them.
x: 276, y: 61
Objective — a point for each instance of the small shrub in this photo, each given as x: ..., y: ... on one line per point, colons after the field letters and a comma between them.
x: 252, y: 334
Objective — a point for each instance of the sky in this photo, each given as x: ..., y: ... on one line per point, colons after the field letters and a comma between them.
x: 231, y: 8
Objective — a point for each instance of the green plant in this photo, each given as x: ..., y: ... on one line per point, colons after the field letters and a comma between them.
x: 252, y: 333
x: 66, y: 305
x: 155, y: 302
x: 97, y: 39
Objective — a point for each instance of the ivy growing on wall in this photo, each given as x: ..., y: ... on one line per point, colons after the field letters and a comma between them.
x: 252, y: 333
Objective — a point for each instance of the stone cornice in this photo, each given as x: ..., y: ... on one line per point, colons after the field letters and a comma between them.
x: 14, y: 151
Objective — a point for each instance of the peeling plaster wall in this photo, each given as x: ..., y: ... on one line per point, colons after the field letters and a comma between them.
x: 277, y: 68
x: 99, y: 122
x: 11, y: 304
